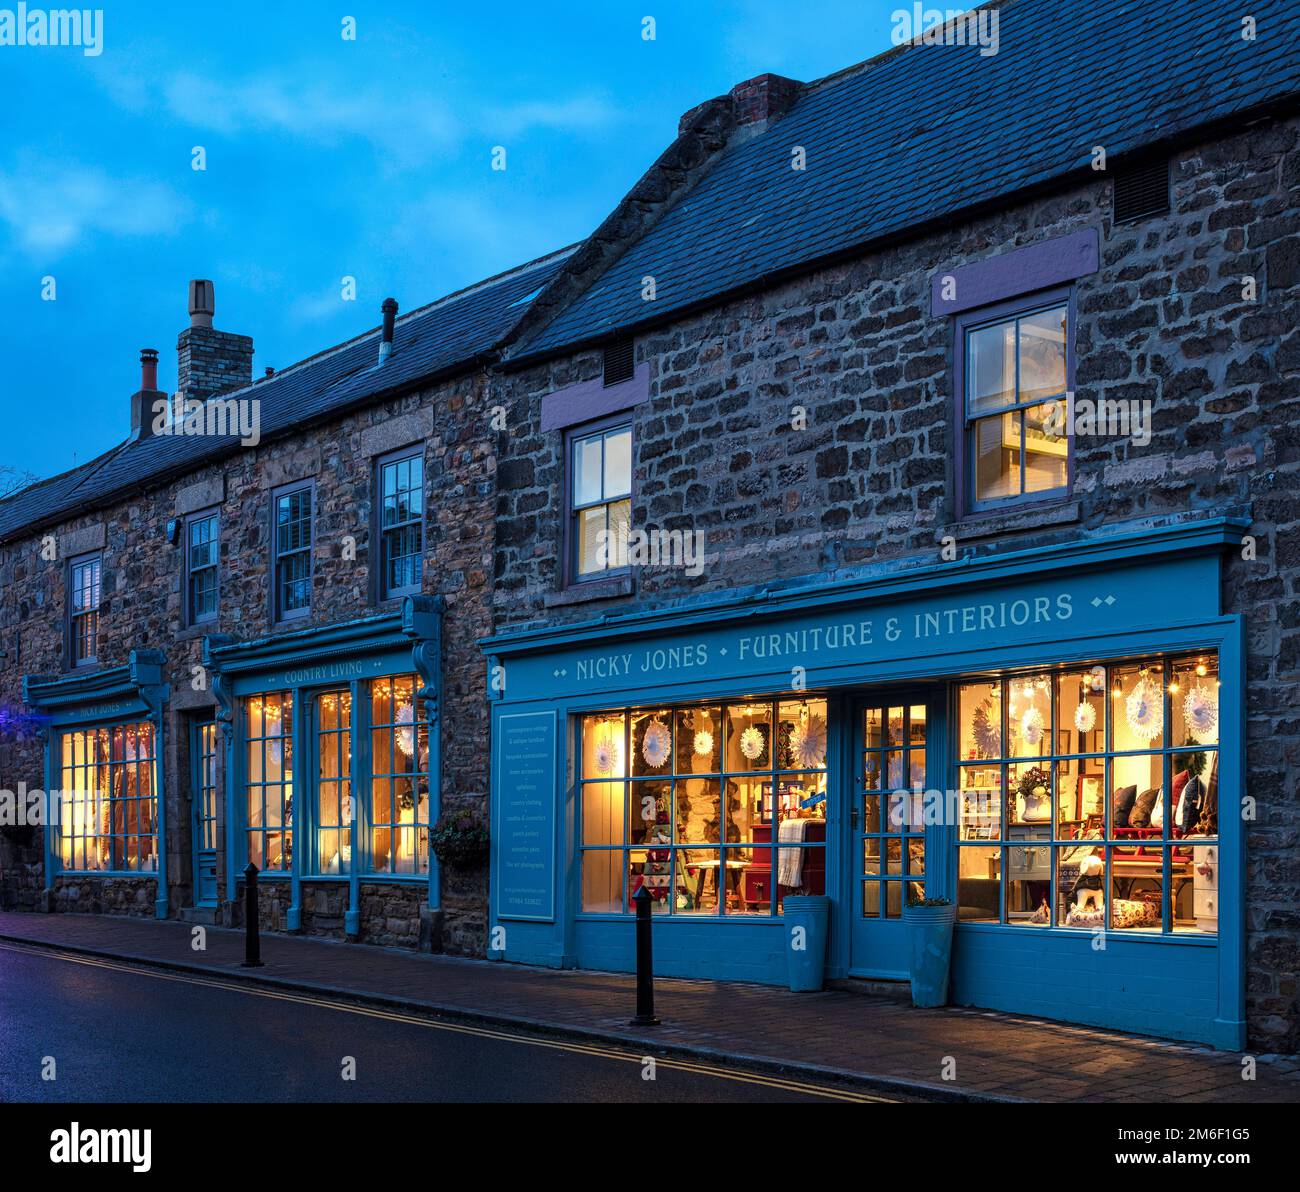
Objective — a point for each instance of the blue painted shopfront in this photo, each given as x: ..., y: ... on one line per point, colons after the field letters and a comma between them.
x: 314, y: 724
x: 103, y: 733
x: 907, y: 651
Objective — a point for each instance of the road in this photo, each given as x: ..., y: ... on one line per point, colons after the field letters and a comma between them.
x: 118, y: 1032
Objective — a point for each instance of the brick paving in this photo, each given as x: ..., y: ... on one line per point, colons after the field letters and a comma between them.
x: 862, y: 1036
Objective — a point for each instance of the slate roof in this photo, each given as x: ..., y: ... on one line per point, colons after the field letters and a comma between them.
x: 923, y: 132
x: 435, y: 340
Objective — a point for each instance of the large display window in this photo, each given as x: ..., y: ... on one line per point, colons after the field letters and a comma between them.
x: 107, y: 801
x: 1088, y: 798
x: 716, y: 809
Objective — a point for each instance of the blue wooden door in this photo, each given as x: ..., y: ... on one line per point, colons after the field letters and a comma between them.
x: 203, y: 798
x: 887, y: 826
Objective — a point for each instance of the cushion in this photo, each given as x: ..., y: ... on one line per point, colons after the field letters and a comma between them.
x: 1140, y: 815
x: 1129, y: 912
x: 1125, y: 796
x: 1189, y: 805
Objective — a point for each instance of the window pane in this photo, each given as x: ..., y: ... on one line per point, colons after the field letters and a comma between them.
x: 1138, y: 706
x: 591, y: 541
x: 1136, y: 886
x: 1195, y: 702
x: 699, y: 740
x: 995, y: 446
x: 1042, y: 354
x: 602, y: 882
x: 618, y: 464
x: 980, y: 713
x: 1029, y: 716
x: 991, y: 367
x: 603, y: 747
x: 620, y: 522
x: 587, y: 457
x: 979, y: 884
x: 1046, y: 449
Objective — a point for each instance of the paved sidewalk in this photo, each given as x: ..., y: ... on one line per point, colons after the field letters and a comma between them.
x: 859, y: 1036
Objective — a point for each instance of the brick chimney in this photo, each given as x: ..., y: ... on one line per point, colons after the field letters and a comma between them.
x: 752, y: 103
x: 209, y: 362
x: 143, y: 399
x: 760, y: 99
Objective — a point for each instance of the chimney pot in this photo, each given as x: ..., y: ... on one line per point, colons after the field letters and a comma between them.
x: 149, y: 369
x: 389, y: 308
x: 202, y: 303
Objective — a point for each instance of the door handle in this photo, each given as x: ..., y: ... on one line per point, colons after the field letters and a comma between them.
x: 853, y: 817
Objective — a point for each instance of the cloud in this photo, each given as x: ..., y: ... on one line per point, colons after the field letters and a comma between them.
x: 50, y: 206
x: 407, y: 125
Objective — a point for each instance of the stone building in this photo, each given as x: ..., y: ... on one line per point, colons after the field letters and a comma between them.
x: 895, y: 496
x: 901, y: 499
x: 193, y: 610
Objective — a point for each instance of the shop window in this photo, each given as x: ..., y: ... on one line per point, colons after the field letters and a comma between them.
x: 1102, y: 809
x: 1014, y: 375
x: 600, y: 501
x: 291, y: 555
x: 716, y: 809
x: 334, y: 782
x: 399, y: 753
x: 108, y: 803
x: 268, y: 743
x: 202, y: 567
x: 83, y: 609
x: 401, y: 524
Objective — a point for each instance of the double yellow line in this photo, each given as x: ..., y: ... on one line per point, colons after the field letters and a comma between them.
x: 784, y: 1084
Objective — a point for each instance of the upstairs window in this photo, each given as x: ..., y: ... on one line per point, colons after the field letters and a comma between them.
x: 201, y: 567
x: 292, y: 553
x: 401, y: 524
x: 600, y: 494
x: 1016, y: 372
x: 83, y: 609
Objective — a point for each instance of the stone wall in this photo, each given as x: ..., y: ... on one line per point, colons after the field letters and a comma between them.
x: 142, y: 600
x: 871, y: 479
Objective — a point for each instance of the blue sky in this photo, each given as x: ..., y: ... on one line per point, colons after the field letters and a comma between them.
x: 327, y: 158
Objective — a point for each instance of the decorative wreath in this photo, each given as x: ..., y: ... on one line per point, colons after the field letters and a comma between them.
x: 1145, y: 709
x: 406, y: 736
x: 606, y: 753
x: 704, y: 742
x: 1201, y: 712
x: 1032, y: 726
x: 808, y: 743
x: 657, y: 745
x: 751, y: 743
x: 987, y: 735
x: 1085, y: 717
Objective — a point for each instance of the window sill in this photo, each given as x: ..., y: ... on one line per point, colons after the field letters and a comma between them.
x: 598, y: 589
x: 992, y: 522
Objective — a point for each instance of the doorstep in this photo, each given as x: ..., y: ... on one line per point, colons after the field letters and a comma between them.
x: 863, y: 1038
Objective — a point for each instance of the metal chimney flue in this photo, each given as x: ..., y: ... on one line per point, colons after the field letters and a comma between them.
x: 202, y: 303
x: 386, y: 338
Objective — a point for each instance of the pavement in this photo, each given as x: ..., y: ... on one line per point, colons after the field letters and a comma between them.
x: 866, y: 1040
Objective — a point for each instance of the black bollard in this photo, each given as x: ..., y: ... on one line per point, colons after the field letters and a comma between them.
x: 645, y: 988
x: 252, y: 941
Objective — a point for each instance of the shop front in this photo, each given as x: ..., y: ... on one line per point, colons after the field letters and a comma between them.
x: 103, y: 739
x: 1041, y: 737
x: 331, y: 743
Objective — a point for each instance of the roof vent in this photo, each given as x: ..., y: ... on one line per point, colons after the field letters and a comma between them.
x: 389, y: 308
x: 619, y: 363
x: 1142, y: 190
